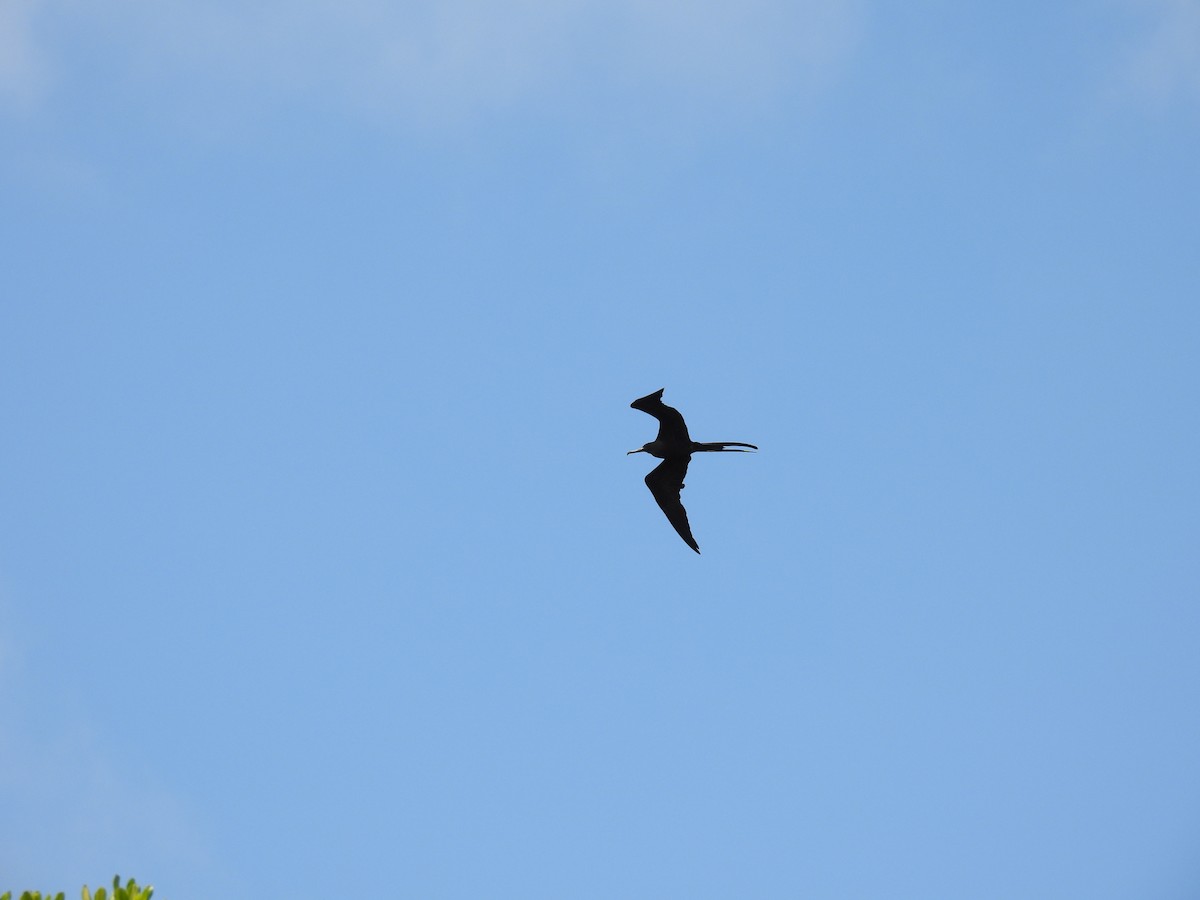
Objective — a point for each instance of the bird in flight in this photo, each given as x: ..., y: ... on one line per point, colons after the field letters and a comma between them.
x: 674, y: 446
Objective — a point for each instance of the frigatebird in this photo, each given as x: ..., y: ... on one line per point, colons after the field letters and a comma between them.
x: 674, y: 446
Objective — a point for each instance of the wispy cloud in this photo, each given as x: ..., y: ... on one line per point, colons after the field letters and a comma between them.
x: 449, y: 59
x: 1165, y: 63
x: 23, y: 71
x: 72, y: 809
x: 72, y: 816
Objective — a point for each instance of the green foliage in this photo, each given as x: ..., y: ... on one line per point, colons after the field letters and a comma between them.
x: 131, y: 891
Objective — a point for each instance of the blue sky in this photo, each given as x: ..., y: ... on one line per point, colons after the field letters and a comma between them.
x: 323, y: 568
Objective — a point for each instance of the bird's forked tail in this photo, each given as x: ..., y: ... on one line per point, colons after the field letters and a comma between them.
x: 715, y: 446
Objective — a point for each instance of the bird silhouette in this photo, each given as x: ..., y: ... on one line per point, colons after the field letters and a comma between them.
x: 674, y: 446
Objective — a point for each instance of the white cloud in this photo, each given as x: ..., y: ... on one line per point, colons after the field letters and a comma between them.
x: 22, y: 67
x: 72, y: 812
x: 70, y: 817
x: 449, y: 59
x: 1165, y: 64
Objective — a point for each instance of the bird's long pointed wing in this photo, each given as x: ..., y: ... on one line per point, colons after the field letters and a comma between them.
x: 665, y: 483
x: 671, y: 427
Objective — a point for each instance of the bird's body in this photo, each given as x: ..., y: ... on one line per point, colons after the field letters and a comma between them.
x: 674, y: 446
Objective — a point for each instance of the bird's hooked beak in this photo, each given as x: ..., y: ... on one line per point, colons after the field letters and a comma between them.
x: 638, y: 450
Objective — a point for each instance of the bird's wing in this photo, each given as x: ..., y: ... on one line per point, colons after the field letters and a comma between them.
x: 671, y: 426
x: 665, y: 483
